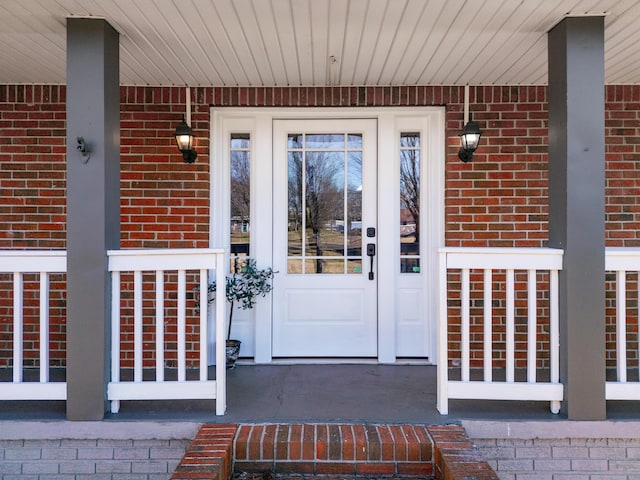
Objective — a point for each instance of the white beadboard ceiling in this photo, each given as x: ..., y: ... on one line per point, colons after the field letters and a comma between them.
x: 315, y: 42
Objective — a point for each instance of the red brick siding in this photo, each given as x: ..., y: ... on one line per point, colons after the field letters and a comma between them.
x: 500, y: 199
x: 32, y: 209
x: 622, y: 134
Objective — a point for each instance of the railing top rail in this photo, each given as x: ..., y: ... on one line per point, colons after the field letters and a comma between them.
x: 503, y: 258
x: 29, y: 261
x: 622, y: 258
x: 163, y: 259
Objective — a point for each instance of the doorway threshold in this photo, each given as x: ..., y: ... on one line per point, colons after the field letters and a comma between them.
x: 336, y: 361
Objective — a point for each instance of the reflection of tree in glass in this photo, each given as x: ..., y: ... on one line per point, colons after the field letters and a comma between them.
x: 324, y: 196
x: 240, y: 186
x: 354, y: 201
x: 410, y: 180
x: 295, y: 191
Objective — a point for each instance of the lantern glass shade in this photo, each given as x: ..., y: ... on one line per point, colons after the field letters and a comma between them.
x: 470, y: 136
x: 184, y: 142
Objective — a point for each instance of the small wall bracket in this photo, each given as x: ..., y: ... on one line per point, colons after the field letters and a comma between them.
x: 83, y: 148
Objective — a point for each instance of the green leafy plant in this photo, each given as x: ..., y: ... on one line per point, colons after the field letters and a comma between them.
x: 244, y: 286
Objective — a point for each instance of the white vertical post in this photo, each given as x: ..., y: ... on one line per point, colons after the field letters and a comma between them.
x: 115, y: 335
x: 554, y: 333
x: 182, y: 327
x: 621, y: 325
x: 488, y: 330
x: 159, y: 325
x: 466, y: 105
x: 464, y: 333
x: 44, y: 327
x: 17, y: 327
x: 221, y: 366
x: 510, y: 313
x: 137, y: 326
x: 188, y: 106
x: 532, y: 307
x: 203, y: 325
x: 443, y: 354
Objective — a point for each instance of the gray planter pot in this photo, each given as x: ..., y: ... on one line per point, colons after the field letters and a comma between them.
x: 233, y: 349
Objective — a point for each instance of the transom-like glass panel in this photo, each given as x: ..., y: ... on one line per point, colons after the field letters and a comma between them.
x: 324, y: 203
x: 410, y: 202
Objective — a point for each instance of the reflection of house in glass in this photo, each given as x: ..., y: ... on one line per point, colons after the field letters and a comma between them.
x: 409, y: 243
x: 240, y: 228
x: 239, y: 225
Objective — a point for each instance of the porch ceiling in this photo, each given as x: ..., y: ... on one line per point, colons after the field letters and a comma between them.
x: 315, y: 42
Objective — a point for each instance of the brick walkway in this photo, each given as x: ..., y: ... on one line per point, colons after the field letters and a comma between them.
x: 337, y: 451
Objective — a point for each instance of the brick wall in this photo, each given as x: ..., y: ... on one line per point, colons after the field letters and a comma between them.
x: 567, y: 458
x: 500, y: 199
x: 73, y: 459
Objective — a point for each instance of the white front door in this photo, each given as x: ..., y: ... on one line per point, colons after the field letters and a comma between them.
x: 324, y: 238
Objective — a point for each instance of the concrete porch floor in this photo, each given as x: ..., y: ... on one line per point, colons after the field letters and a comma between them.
x: 356, y: 393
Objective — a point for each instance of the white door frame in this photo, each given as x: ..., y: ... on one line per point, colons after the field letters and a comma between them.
x: 391, y: 121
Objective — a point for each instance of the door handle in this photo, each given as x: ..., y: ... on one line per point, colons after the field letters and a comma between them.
x: 371, y: 252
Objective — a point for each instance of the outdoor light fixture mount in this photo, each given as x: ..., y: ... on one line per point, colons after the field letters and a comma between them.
x: 83, y: 148
x: 469, y: 139
x: 184, y: 140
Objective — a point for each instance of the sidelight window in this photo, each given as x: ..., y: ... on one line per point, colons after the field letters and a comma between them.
x: 410, y: 202
x: 240, y: 196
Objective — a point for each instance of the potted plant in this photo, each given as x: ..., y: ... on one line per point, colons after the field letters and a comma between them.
x: 243, y: 286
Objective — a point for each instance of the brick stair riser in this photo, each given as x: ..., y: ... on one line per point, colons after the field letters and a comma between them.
x: 441, y: 452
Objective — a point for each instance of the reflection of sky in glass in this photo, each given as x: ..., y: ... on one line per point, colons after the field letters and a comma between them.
x: 354, y: 171
x: 240, y: 141
x: 324, y: 141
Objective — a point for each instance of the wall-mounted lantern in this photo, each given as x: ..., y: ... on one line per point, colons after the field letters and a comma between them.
x: 469, y: 139
x: 184, y: 140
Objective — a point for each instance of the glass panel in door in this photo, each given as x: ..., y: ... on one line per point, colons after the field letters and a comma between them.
x: 324, y: 195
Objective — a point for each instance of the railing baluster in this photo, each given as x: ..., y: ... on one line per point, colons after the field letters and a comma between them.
x: 554, y: 326
x: 137, y: 326
x: 204, y: 367
x: 464, y: 347
x: 510, y: 333
x: 443, y: 338
x: 488, y: 331
x: 621, y: 325
x: 160, y: 326
x: 221, y: 320
x: 554, y: 334
x: 532, y: 306
x: 115, y: 335
x: 182, y: 364
x: 44, y: 327
x: 17, y: 327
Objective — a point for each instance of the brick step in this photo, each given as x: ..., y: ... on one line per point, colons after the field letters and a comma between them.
x: 324, y: 449
x: 332, y: 451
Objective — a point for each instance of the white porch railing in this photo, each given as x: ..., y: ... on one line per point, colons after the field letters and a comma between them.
x: 17, y: 263
x: 161, y: 261
x: 508, y: 260
x: 622, y: 261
